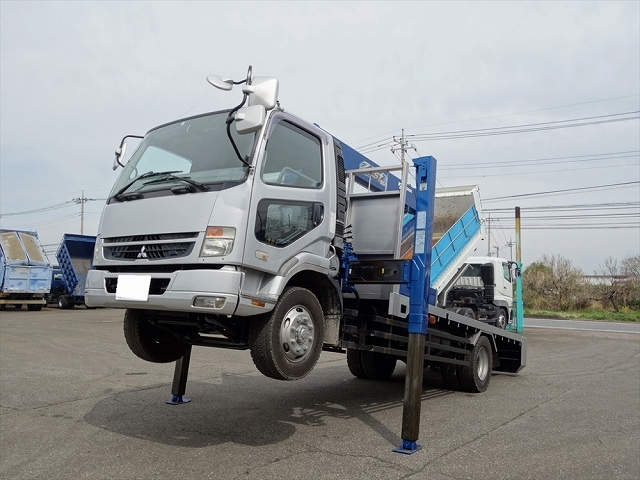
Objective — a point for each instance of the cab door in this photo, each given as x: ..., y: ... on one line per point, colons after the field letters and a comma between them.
x: 290, y: 202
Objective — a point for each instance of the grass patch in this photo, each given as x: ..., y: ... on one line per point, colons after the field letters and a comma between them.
x: 591, y: 314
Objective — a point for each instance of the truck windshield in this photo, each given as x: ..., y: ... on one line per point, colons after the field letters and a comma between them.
x: 196, y: 149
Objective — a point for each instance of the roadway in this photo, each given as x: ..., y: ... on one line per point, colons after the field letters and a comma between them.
x: 75, y: 403
x: 584, y: 325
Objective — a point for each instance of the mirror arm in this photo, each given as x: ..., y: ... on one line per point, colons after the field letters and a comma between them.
x: 120, y: 150
x: 229, y: 121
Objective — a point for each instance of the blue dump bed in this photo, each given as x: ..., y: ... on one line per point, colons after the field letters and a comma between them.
x: 457, y: 229
x: 24, y: 267
x: 75, y: 257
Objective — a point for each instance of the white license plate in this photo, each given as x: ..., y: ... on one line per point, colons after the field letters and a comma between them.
x: 133, y: 287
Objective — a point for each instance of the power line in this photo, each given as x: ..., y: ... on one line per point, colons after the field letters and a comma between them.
x: 578, y: 206
x: 511, y: 129
x: 567, y: 190
x: 547, y: 160
x: 495, y: 116
x: 538, y: 172
x: 39, y: 210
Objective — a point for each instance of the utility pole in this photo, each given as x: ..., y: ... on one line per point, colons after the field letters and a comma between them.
x: 82, y: 200
x: 489, y: 235
x: 510, y: 245
x: 497, y: 250
x: 404, y: 146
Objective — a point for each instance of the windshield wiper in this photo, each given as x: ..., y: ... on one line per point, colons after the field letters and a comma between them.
x: 169, y: 176
x: 119, y: 194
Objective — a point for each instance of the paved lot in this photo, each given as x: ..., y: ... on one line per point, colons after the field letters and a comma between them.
x: 76, y: 404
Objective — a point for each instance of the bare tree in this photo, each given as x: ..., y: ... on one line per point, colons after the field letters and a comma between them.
x: 612, y: 290
x: 630, y: 267
x: 555, y: 283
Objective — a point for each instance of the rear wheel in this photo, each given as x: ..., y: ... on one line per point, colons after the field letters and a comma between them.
x: 476, y: 376
x: 449, y: 375
x: 34, y: 308
x: 370, y: 365
x: 354, y: 362
x: 378, y: 366
x: 287, y: 343
x: 65, y: 301
x: 150, y: 342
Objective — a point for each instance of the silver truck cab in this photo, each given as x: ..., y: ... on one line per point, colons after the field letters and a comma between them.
x: 208, y: 225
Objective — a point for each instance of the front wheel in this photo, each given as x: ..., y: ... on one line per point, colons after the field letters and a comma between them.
x: 467, y: 312
x: 287, y: 343
x: 476, y: 376
x: 150, y: 342
x: 501, y: 321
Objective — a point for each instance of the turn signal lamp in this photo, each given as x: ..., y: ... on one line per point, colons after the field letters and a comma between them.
x: 218, y: 241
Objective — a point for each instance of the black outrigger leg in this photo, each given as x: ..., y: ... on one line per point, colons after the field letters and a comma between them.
x: 180, y: 375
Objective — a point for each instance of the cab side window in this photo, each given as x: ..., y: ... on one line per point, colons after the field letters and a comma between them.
x: 293, y: 157
x: 506, y: 271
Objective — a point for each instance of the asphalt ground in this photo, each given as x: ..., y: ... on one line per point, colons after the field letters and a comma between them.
x: 76, y: 404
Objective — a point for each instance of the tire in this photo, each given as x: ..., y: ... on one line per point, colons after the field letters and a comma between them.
x: 149, y: 342
x: 34, y: 308
x: 370, y: 365
x: 476, y: 377
x: 63, y: 302
x: 378, y: 366
x: 467, y: 312
x: 354, y: 362
x: 502, y: 320
x: 449, y: 375
x: 286, y: 343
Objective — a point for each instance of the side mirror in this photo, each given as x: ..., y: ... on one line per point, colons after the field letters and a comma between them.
x: 487, y: 274
x: 219, y: 82
x: 119, y: 155
x: 250, y: 119
x: 262, y: 91
x: 117, y: 162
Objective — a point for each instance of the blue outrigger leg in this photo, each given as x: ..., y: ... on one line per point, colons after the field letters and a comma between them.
x: 421, y: 294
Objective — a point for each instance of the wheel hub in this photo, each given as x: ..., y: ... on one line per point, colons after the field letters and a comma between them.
x: 296, y: 333
x: 483, y: 364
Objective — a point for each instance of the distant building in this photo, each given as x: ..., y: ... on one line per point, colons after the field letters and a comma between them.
x: 605, y: 279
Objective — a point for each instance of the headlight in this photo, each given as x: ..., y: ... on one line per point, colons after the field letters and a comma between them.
x: 218, y: 241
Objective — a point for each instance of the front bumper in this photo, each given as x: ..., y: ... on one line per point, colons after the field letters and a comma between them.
x: 177, y: 295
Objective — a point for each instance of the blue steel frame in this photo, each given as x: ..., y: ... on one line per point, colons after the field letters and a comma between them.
x: 420, y: 289
x: 421, y: 294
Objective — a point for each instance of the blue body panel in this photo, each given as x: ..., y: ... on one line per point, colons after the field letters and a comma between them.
x: 20, y: 272
x: 75, y: 256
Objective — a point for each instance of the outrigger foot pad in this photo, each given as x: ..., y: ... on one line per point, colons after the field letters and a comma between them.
x: 178, y: 400
x: 408, y: 447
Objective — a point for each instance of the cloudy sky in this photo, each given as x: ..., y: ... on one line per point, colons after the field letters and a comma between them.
x: 536, y: 102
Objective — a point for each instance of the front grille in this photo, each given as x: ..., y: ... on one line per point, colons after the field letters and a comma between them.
x: 158, y: 246
x: 149, y: 251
